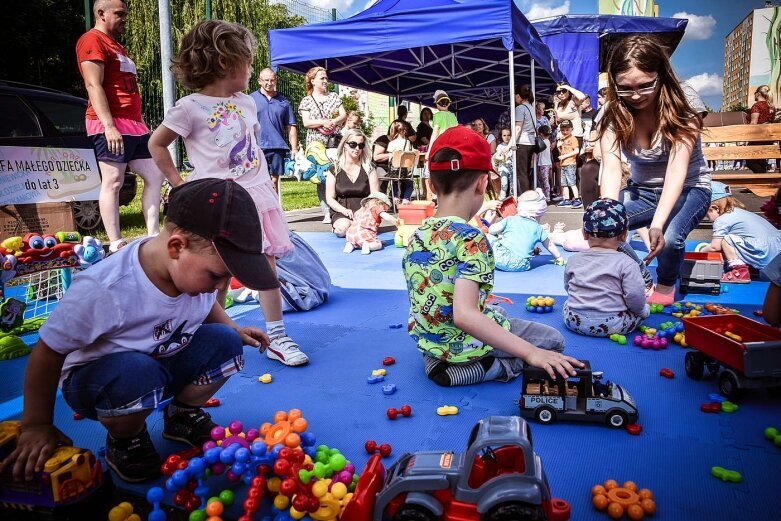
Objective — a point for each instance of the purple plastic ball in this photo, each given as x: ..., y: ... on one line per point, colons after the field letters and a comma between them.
x: 209, y: 445
x: 217, y: 468
x: 235, y: 427
x: 655, y: 345
x: 217, y: 433
x: 645, y: 343
x: 232, y: 477
x: 349, y: 468
x: 252, y: 435
x: 663, y: 343
x: 638, y: 340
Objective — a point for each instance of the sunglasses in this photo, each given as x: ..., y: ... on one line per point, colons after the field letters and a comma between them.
x: 562, y: 91
x: 628, y: 93
x: 355, y: 144
x: 443, y: 102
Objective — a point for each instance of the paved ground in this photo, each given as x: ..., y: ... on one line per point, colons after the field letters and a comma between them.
x: 309, y: 220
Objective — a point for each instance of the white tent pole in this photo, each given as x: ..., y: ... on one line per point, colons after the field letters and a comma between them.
x: 534, y: 122
x: 514, y: 142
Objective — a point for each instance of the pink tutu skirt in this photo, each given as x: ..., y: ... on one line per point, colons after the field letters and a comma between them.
x: 276, y: 238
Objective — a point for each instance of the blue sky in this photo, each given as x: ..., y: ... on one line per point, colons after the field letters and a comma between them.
x: 700, y: 56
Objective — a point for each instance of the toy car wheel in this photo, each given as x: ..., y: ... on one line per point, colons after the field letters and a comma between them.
x: 713, y: 366
x: 728, y: 385
x: 545, y: 415
x: 87, y: 215
x: 616, y: 419
x: 515, y: 512
x: 694, y: 365
x: 413, y: 513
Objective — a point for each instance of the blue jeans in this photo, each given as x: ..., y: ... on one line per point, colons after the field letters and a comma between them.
x: 129, y: 382
x: 692, y: 205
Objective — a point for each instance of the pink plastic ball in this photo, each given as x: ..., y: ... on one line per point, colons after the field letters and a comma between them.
x: 638, y: 340
x: 645, y: 343
x: 663, y: 342
x: 209, y: 445
x: 217, y: 433
x: 217, y: 468
x: 655, y: 344
x: 232, y: 477
x: 235, y: 427
x: 349, y: 467
x: 252, y: 435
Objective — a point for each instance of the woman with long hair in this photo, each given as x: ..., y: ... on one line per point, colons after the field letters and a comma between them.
x: 424, y: 130
x: 322, y: 114
x: 649, y: 118
x: 481, y: 127
x: 350, y: 179
x: 762, y: 111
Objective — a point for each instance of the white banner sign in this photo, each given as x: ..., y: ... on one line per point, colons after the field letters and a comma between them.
x: 44, y: 175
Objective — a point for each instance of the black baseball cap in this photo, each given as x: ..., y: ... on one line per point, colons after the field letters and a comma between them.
x: 223, y: 212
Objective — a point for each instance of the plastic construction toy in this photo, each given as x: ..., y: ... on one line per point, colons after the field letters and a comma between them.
x: 728, y: 476
x: 446, y: 485
x: 634, y: 429
x: 389, y: 389
x: 667, y: 373
x: 619, y: 339
x: 123, y: 512
x: 447, y: 410
x: 624, y: 499
x: 650, y: 339
x: 212, y: 402
x: 71, y: 482
x: 583, y: 397
x: 388, y: 360
x: 405, y: 411
x: 375, y: 379
x: 773, y: 436
x: 265, y: 378
x: 753, y: 361
x: 383, y: 450
x: 656, y: 308
x: 540, y: 304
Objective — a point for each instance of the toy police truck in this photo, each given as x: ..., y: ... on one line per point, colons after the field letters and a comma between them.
x: 498, y: 478
x: 582, y: 397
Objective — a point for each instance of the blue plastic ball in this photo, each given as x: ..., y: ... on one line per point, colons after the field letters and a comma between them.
x: 180, y: 478
x: 258, y: 448
x: 239, y: 468
x: 548, y: 309
x: 276, y: 448
x: 530, y: 308
x: 540, y: 309
x: 196, y: 466
x: 243, y: 455
x: 212, y: 455
x: 308, y: 438
x: 170, y: 485
x: 201, y: 490
x: 154, y: 495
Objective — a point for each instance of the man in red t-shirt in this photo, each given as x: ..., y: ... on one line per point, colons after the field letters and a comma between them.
x: 114, y: 119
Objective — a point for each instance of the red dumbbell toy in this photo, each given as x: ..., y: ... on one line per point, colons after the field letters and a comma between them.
x: 384, y: 449
x: 405, y: 411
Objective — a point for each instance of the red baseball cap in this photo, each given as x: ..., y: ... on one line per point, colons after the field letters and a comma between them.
x: 473, y: 147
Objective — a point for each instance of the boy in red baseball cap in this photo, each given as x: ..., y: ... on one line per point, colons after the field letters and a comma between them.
x: 449, y: 267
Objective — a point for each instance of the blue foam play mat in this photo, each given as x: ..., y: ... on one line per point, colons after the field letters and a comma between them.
x: 360, y: 325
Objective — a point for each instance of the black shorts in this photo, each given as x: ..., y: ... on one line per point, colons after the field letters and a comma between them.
x: 135, y: 147
x: 275, y: 157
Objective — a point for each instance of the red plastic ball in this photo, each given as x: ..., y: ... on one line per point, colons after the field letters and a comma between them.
x: 181, y: 497
x: 406, y: 410
x: 263, y: 470
x: 282, y: 467
x: 255, y: 492
x: 301, y: 503
x: 259, y: 481
x: 285, y: 453
x: 182, y: 465
x: 297, y: 456
x: 251, y: 505
x: 167, y: 469
x: 392, y: 413
x: 370, y: 446
x: 388, y: 360
x: 314, y: 504
x: 288, y: 487
x: 192, y: 504
x: 385, y: 450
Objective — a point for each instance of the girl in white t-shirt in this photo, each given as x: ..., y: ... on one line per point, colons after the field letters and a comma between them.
x: 219, y: 125
x: 503, y: 161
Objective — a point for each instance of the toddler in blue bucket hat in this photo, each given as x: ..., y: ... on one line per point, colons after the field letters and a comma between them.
x: 606, y: 291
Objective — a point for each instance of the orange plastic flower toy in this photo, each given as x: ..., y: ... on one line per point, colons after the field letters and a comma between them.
x: 625, y: 499
x: 285, y: 430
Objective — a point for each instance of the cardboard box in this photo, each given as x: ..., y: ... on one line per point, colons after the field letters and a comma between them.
x: 18, y: 220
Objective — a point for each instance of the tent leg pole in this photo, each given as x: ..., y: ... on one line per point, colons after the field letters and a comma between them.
x: 534, y: 122
x: 511, y: 101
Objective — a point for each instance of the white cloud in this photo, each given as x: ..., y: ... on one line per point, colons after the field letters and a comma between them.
x: 706, y: 84
x: 340, y: 5
x: 544, y: 9
x: 699, y: 27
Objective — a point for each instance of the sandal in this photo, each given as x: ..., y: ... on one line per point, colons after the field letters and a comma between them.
x: 117, y: 245
x: 737, y: 275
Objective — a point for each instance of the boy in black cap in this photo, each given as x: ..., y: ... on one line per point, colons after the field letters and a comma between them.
x: 605, y: 287
x: 449, y: 267
x: 128, y: 333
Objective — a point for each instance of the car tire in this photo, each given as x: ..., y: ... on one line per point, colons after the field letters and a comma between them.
x: 728, y: 385
x: 413, y: 513
x: 616, y: 419
x: 87, y: 216
x: 515, y: 512
x: 545, y: 415
x: 694, y: 365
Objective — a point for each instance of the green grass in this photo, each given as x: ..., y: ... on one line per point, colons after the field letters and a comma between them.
x: 295, y: 195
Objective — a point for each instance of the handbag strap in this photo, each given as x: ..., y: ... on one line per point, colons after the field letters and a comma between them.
x: 533, y: 121
x: 319, y: 107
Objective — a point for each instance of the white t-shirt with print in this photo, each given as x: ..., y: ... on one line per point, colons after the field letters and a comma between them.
x: 220, y: 135
x: 113, y: 307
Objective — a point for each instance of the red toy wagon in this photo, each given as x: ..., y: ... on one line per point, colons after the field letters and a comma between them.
x: 745, y: 353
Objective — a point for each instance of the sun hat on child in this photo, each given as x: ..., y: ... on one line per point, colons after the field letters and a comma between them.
x: 605, y: 218
x: 719, y: 191
x: 473, y: 147
x: 565, y: 124
x: 440, y: 94
x: 379, y: 196
x: 532, y: 204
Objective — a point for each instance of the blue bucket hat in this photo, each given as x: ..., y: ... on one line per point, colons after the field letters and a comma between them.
x: 719, y: 191
x: 605, y: 218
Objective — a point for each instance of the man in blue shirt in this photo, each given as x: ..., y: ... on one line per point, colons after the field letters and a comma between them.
x: 276, y: 118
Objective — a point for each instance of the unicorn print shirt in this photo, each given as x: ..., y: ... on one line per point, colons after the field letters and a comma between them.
x: 220, y: 135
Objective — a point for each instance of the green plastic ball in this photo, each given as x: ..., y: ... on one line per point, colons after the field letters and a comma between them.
x: 622, y: 340
x: 227, y: 497
x: 337, y: 462
x: 197, y: 515
x: 771, y: 433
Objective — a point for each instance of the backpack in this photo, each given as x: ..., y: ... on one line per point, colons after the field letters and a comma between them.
x: 303, y: 278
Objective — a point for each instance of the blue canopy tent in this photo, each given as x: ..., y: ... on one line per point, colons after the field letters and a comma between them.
x: 409, y: 49
x: 580, y: 43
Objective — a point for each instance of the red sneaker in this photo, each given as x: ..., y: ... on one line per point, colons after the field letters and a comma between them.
x: 737, y: 275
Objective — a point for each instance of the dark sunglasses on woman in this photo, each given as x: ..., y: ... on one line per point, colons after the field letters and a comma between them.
x: 355, y: 144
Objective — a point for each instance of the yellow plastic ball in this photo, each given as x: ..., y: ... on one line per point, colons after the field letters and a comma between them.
x: 281, y: 502
x: 273, y: 484
x: 120, y: 512
x: 549, y: 301
x: 133, y: 517
x: 295, y: 514
x: 319, y: 488
x: 339, y: 490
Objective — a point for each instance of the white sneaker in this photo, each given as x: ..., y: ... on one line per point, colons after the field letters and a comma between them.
x: 327, y: 219
x: 365, y: 249
x: 284, y: 349
x: 117, y: 245
x: 348, y: 248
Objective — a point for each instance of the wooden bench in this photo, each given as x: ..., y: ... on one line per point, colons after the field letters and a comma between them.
x: 753, y: 139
